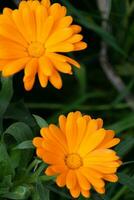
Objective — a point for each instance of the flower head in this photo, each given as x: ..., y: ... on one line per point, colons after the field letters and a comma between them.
x: 33, y: 37
x: 78, y: 152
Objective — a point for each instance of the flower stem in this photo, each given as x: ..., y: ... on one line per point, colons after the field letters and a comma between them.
x: 120, y: 193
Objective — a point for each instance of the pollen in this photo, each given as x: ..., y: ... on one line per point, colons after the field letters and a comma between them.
x: 73, y: 161
x: 36, y: 49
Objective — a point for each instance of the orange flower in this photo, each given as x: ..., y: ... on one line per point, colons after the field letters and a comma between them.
x: 78, y: 152
x: 32, y: 38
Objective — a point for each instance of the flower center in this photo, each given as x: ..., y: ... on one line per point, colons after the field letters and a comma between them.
x: 73, y: 161
x: 36, y: 49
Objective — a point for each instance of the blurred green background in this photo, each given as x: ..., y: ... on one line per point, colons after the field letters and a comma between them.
x: 103, y: 87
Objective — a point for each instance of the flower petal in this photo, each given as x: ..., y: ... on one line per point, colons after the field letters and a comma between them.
x: 71, y: 179
x: 46, y: 65
x: 56, y: 80
x: 61, y: 179
x: 14, y: 66
x: 92, y: 142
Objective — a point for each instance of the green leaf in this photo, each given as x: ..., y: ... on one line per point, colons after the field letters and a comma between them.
x: 125, y: 145
x: 45, y: 178
x: 124, y: 124
x: 5, y: 183
x: 6, y: 94
x: 19, y: 131
x: 62, y: 192
x: 25, y: 145
x: 81, y: 76
x: 127, y: 180
x: 15, y: 157
x: 19, y: 112
x: 5, y: 159
x: 40, y: 121
x: 84, y: 19
x: 42, y: 191
x: 19, y: 193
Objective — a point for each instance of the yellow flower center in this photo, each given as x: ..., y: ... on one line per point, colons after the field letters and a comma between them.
x: 73, y: 161
x: 36, y: 49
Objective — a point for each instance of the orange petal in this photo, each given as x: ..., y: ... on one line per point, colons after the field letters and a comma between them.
x: 49, y: 171
x: 91, y: 176
x: 100, y: 190
x: 58, y: 37
x: 75, y: 38
x: 76, y: 28
x: 41, y: 16
x: 37, y: 141
x: 6, y: 31
x: 30, y: 72
x: 62, y: 122
x: 46, y: 29
x: 14, y: 66
x: 31, y: 67
x: 64, y: 22
x: 99, y: 122
x: 7, y: 11
x: 81, y: 124
x: 108, y: 140
x: 80, y: 46
x: 62, y: 58
x: 61, y: 47
x: 75, y: 192
x: 29, y: 22
x: 85, y: 193
x: 104, y: 169
x: 61, y: 179
x: 63, y: 11
x: 3, y: 63
x: 42, y: 78
x: 56, y: 57
x: 46, y: 65
x: 14, y: 53
x: 92, y: 142
x: 111, y: 177
x: 55, y: 11
x: 83, y: 181
x: 62, y: 66
x: 71, y: 131
x: 56, y: 169
x: 56, y: 80
x: 52, y: 140
x: 58, y: 136
x: 112, y: 143
x: 28, y: 82
x: 71, y: 179
x: 72, y: 61
x: 40, y: 152
x: 52, y: 158
x: 17, y: 17
x: 46, y: 3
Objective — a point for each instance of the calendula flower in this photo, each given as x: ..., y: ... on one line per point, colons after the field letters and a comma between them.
x: 78, y: 152
x: 33, y: 37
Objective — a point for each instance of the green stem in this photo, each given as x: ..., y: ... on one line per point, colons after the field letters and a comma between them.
x: 55, y: 106
x: 37, y: 173
x: 32, y: 165
x: 119, y: 193
x: 1, y: 126
x: 128, y: 162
